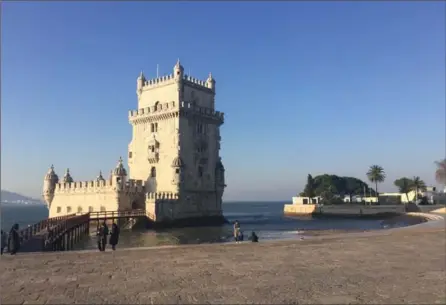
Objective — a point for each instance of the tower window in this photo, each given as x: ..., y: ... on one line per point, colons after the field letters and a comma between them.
x: 153, y: 172
x: 154, y: 127
x: 177, y: 171
x: 200, y: 171
x: 130, y: 154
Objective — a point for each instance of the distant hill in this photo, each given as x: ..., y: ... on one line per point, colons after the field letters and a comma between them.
x: 14, y: 197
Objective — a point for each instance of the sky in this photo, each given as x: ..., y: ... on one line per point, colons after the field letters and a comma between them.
x: 306, y: 87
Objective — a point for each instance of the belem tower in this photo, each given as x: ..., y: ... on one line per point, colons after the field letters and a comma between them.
x: 175, y: 171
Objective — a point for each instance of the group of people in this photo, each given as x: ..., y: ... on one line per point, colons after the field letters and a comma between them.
x: 11, y: 240
x: 102, y: 234
x: 238, y: 234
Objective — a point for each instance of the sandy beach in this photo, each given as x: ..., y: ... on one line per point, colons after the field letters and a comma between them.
x: 388, y: 266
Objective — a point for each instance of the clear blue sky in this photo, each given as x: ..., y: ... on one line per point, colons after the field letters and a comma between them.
x: 306, y: 87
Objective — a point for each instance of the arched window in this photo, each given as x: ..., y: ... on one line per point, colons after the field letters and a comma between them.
x: 79, y: 209
x: 90, y: 209
x: 157, y: 105
x: 68, y: 209
x: 59, y: 209
x: 103, y: 208
x: 153, y: 172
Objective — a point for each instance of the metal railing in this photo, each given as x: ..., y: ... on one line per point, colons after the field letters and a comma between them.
x: 117, y: 214
x: 37, y: 228
x: 64, y: 226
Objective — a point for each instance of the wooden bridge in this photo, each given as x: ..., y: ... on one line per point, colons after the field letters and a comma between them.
x: 62, y: 233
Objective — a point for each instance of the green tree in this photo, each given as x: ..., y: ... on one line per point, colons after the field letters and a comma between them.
x: 376, y: 175
x: 404, y: 186
x: 418, y: 185
x: 440, y: 173
x: 310, y: 188
x: 353, y: 186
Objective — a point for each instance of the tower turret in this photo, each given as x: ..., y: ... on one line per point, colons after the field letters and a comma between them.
x: 140, y: 83
x: 178, y: 71
x: 210, y: 82
x: 178, y: 172
x: 100, y: 178
x: 220, y: 175
x: 67, y: 177
x: 49, y: 184
x: 119, y: 173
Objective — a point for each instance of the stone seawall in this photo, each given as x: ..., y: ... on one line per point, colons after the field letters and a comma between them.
x: 344, y: 210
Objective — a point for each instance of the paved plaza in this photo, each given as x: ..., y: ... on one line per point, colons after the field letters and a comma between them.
x: 398, y: 266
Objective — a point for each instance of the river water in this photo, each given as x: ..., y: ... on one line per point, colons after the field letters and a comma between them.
x: 265, y: 218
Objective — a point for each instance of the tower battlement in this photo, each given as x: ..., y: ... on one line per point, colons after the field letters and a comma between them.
x: 187, y: 107
x: 93, y: 186
x: 149, y: 84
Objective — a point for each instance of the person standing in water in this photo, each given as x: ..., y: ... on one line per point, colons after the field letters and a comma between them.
x: 114, y: 236
x: 236, y: 231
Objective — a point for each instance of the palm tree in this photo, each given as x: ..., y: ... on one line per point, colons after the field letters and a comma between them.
x: 440, y: 173
x: 376, y: 175
x: 417, y: 185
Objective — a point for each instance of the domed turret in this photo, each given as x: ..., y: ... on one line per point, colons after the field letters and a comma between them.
x: 140, y: 83
x: 210, y: 82
x: 100, y: 178
x: 178, y: 70
x: 67, y: 177
x: 120, y: 170
x: 51, y: 175
x: 178, y: 172
x: 49, y: 183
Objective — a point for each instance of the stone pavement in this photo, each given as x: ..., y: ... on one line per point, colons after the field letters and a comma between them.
x: 398, y: 266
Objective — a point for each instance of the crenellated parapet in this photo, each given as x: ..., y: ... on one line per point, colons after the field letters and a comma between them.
x: 158, y: 82
x: 171, y: 109
x: 205, y: 85
x: 163, y: 196
x: 95, y: 186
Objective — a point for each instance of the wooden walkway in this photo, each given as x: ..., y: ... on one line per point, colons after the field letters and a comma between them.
x: 56, y: 233
x: 104, y: 215
x: 61, y: 233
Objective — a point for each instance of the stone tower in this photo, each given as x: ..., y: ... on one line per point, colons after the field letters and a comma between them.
x: 176, y: 141
x: 49, y: 183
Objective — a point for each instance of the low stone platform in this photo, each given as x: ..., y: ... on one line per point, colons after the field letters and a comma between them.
x: 387, y: 267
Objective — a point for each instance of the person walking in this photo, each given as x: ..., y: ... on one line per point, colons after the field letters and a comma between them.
x: 4, y: 241
x: 14, y: 239
x: 102, y: 236
x: 114, y: 236
x: 236, y: 231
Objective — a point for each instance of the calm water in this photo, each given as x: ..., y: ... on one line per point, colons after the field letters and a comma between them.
x: 265, y: 218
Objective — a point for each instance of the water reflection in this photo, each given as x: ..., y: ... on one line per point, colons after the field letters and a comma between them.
x: 150, y: 238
